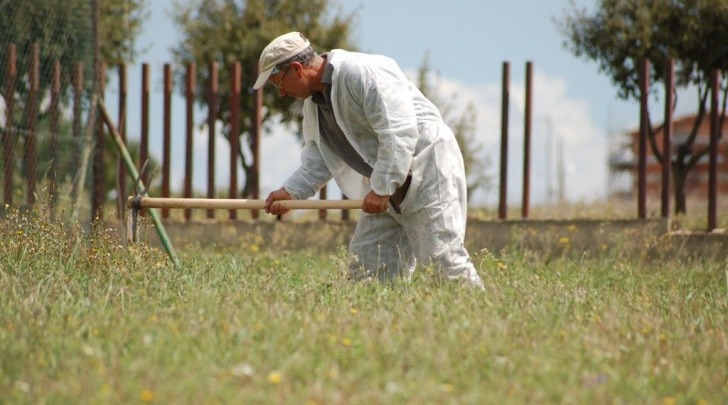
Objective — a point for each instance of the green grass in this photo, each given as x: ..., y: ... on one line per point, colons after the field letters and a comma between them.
x: 85, y: 320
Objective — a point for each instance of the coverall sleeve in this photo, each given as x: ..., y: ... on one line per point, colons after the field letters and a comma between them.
x: 390, y: 111
x: 311, y: 176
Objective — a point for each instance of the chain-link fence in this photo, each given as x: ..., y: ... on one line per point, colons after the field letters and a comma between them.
x: 47, y: 54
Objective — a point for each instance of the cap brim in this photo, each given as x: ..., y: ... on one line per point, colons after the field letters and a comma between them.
x: 263, y: 77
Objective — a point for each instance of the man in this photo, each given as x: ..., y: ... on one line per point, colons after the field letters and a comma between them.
x: 374, y: 132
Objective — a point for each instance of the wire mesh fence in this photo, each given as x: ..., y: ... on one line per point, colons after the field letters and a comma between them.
x: 47, y: 128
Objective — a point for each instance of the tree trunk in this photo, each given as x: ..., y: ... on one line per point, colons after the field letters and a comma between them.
x: 247, y: 191
x: 679, y: 175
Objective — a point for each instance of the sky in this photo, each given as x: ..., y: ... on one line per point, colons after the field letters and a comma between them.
x: 576, y: 114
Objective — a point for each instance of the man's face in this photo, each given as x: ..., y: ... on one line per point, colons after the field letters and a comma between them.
x: 289, y: 81
x: 278, y: 79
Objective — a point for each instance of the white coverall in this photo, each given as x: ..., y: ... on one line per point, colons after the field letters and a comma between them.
x: 395, y: 129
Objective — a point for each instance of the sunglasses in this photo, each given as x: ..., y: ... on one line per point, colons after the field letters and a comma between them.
x: 279, y: 85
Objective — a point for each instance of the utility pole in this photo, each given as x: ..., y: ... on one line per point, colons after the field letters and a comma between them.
x: 549, y: 159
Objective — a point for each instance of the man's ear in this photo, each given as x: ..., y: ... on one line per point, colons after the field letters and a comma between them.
x: 298, y: 68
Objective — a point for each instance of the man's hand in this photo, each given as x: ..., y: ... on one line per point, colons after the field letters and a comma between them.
x: 277, y: 209
x: 375, y: 203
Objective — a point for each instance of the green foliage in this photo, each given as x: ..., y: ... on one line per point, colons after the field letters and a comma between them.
x: 464, y: 126
x: 228, y: 31
x: 83, y: 320
x: 694, y: 33
x: 121, y: 22
x: 620, y: 33
x: 64, y: 32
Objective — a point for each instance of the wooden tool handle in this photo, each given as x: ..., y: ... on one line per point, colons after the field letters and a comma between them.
x: 241, y: 204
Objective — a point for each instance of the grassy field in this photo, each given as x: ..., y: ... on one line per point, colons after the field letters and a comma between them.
x: 88, y: 321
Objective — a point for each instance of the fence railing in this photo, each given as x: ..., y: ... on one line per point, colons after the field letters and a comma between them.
x: 62, y: 127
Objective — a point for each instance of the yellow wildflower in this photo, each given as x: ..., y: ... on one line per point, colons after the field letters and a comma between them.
x: 275, y: 377
x: 146, y: 395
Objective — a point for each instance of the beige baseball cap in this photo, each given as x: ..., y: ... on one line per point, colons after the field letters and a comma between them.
x: 279, y: 50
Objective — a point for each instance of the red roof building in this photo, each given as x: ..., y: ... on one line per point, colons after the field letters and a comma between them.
x: 623, y: 160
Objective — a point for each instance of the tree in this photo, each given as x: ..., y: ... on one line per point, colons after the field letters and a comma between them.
x: 228, y: 31
x: 64, y: 32
x: 464, y: 127
x: 692, y: 32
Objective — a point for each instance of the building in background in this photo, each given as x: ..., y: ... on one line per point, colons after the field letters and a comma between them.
x: 624, y: 152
